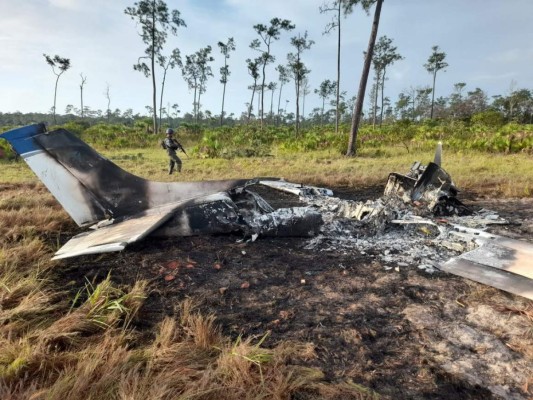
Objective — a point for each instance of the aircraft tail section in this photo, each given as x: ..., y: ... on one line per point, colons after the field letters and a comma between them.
x: 82, y: 205
x: 89, y: 186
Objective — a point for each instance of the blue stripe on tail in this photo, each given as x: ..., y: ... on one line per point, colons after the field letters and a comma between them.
x: 21, y: 139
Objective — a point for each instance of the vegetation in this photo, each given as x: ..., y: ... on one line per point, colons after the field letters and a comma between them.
x: 225, y: 49
x: 358, y: 107
x: 155, y: 20
x: 499, y: 153
x: 62, y: 65
x: 435, y: 64
x: 60, y: 340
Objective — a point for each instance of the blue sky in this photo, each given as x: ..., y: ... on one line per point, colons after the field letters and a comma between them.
x: 489, y: 44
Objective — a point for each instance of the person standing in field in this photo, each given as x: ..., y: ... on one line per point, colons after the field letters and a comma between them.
x: 171, y: 145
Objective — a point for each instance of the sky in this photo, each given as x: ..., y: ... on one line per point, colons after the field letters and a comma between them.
x: 488, y: 44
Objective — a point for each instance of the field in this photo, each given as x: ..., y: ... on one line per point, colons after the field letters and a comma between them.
x: 212, y: 317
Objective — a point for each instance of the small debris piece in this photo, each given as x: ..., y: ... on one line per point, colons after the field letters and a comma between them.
x: 302, y: 281
x: 243, y: 253
x: 189, y: 261
x: 189, y: 266
x: 254, y: 237
x: 173, y: 265
x: 223, y: 290
x: 245, y: 285
x: 169, y: 277
x: 217, y: 266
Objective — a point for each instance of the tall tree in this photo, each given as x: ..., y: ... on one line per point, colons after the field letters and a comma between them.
x: 283, y: 78
x: 83, y: 80
x: 336, y: 7
x: 402, y: 106
x: 191, y: 74
x: 272, y: 86
x: 268, y: 34
x: 298, y: 69
x: 325, y: 90
x: 107, y: 95
x: 385, y: 54
x: 253, y: 70
x: 457, y: 107
x: 170, y: 62
x: 305, y: 89
x: 59, y: 67
x: 374, y: 94
x: 435, y: 64
x: 358, y: 107
x: 196, y: 71
x: 204, y: 58
x: 155, y: 20
x: 225, y: 49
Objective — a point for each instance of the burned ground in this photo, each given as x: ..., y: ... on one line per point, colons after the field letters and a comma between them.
x: 400, y: 331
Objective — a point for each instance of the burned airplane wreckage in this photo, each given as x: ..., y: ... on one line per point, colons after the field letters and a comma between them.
x: 418, y: 220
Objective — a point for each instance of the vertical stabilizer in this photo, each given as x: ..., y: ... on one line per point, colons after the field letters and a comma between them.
x: 77, y: 201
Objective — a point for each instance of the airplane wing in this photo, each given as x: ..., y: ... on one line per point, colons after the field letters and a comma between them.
x: 117, y: 236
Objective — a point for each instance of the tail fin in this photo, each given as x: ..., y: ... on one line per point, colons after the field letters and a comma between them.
x: 30, y: 142
x: 89, y: 186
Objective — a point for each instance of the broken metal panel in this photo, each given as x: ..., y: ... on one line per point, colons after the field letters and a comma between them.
x: 116, y: 236
x: 297, y: 189
x: 207, y: 215
x: 494, y: 255
x: 286, y: 222
x: 430, y: 186
x: 497, y: 278
x: 400, y: 185
x: 244, y: 212
x: 433, y: 182
x: 250, y: 202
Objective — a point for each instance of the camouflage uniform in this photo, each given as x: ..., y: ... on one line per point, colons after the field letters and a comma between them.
x: 171, y: 145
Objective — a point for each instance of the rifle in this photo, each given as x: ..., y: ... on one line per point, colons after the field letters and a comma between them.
x: 184, y: 152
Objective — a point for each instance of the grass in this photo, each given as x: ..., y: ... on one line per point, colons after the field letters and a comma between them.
x: 483, y: 173
x: 56, y: 346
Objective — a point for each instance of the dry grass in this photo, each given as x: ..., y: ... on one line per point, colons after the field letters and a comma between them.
x: 485, y: 173
x: 86, y: 346
x: 53, y: 347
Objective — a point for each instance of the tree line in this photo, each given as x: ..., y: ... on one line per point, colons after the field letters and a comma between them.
x: 156, y: 20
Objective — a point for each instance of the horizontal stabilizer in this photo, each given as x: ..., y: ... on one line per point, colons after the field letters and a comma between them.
x: 117, y: 236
